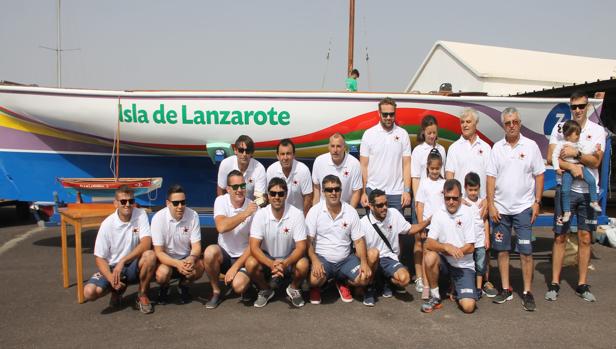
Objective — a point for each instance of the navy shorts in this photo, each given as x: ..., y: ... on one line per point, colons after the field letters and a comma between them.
x: 463, y: 279
x: 268, y: 272
x: 346, y: 269
x: 480, y: 261
x: 502, y: 231
x: 129, y: 275
x: 228, y: 261
x: 389, y: 266
x: 586, y: 216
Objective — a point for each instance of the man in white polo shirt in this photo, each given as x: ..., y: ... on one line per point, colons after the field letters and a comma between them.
x: 252, y: 170
x: 449, y: 249
x: 340, y: 164
x: 277, y: 246
x: 381, y: 227
x: 592, y: 137
x: 176, y: 236
x: 332, y: 226
x: 295, y: 173
x: 123, y: 255
x: 385, y: 158
x: 233, y: 214
x: 469, y: 153
x: 515, y: 185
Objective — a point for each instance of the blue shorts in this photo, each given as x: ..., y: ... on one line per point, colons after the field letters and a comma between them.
x: 501, y: 232
x: 389, y: 266
x: 129, y: 275
x: 346, y: 269
x: 268, y: 272
x: 480, y: 261
x: 463, y: 279
x: 228, y: 261
x: 586, y: 216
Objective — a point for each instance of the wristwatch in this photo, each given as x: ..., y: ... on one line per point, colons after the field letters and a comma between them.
x: 538, y: 202
x: 407, y: 189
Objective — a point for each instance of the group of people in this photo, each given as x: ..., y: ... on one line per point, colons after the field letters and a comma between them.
x: 289, y: 226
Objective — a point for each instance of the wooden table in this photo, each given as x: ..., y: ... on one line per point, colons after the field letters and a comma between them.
x: 80, y: 216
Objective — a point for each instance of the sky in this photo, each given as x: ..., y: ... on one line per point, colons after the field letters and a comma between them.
x: 275, y: 44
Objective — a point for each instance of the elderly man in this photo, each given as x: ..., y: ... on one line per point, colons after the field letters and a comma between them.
x: 515, y: 185
x: 332, y: 226
x: 233, y: 214
x: 295, y: 173
x: 277, y: 246
x: 385, y: 158
x: 123, y: 255
x: 449, y: 247
x: 592, y: 138
x: 252, y: 170
x: 340, y: 164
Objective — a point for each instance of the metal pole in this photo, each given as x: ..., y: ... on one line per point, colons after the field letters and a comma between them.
x: 351, y: 35
x: 59, y: 50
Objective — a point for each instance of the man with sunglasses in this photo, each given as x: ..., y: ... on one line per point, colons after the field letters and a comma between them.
x: 332, y: 226
x: 233, y: 213
x: 295, y: 173
x: 123, y: 255
x: 278, y: 245
x: 385, y: 158
x: 514, y: 189
x: 381, y: 227
x: 252, y: 170
x: 592, y: 137
x: 340, y: 163
x: 449, y: 249
x: 176, y: 236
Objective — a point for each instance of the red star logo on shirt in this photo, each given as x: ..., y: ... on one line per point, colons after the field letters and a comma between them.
x: 295, y: 182
x: 396, y: 138
x: 250, y: 180
x: 588, y: 137
x: 186, y: 229
x: 135, y: 230
x: 390, y: 227
x: 480, y: 151
x: 522, y: 156
x: 458, y: 223
x: 345, y: 225
x: 285, y: 230
x: 346, y: 173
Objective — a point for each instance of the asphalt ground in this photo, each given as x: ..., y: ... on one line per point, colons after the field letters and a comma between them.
x: 37, y: 312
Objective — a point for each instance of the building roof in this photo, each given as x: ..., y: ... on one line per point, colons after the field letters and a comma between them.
x: 508, y: 63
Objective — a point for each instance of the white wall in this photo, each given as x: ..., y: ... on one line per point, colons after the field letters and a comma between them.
x: 442, y: 67
x: 505, y: 87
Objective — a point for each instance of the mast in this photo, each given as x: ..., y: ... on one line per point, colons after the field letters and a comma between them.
x: 351, y: 35
x: 59, y: 50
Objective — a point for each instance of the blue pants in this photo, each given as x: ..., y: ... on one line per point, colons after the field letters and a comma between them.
x: 566, y: 187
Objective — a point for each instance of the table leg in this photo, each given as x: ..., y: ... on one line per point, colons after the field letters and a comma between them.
x: 79, y: 262
x: 64, y: 253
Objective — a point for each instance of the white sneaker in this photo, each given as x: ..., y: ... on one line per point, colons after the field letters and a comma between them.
x: 566, y: 217
x: 419, y: 286
x: 595, y: 206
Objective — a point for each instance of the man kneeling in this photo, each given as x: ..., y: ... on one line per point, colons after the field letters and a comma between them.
x: 123, y: 254
x: 450, y: 246
x: 277, y: 246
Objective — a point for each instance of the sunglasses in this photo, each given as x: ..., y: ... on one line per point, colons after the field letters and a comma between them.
x: 175, y: 203
x: 123, y: 202
x: 238, y: 186
x: 279, y: 194
x: 388, y: 115
x: 332, y: 190
x: 578, y: 106
x: 512, y: 123
x: 454, y: 198
x: 381, y: 205
x: 244, y: 150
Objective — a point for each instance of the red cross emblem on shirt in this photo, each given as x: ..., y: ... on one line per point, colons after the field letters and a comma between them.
x: 522, y: 156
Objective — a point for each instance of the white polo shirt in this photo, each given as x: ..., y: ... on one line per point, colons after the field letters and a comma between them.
x: 254, y: 176
x: 349, y: 173
x: 174, y: 236
x: 515, y: 170
x: 393, y: 224
x: 464, y: 157
x: 591, y: 135
x: 456, y: 229
x: 116, y: 239
x: 234, y: 241
x: 333, y: 236
x: 385, y: 150
x: 419, y: 160
x: 430, y: 193
x: 299, y: 182
x: 480, y: 229
x: 278, y: 237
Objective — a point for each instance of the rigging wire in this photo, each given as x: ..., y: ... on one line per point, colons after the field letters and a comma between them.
x: 329, y: 50
x: 367, y: 56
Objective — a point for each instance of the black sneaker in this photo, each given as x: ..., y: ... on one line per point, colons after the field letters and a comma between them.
x: 163, y: 295
x: 184, y: 292
x: 528, y: 301
x: 503, y: 296
x: 583, y: 291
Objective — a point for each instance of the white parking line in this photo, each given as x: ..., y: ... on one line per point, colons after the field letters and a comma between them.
x: 14, y: 241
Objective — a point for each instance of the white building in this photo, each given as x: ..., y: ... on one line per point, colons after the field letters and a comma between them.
x: 501, y: 71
